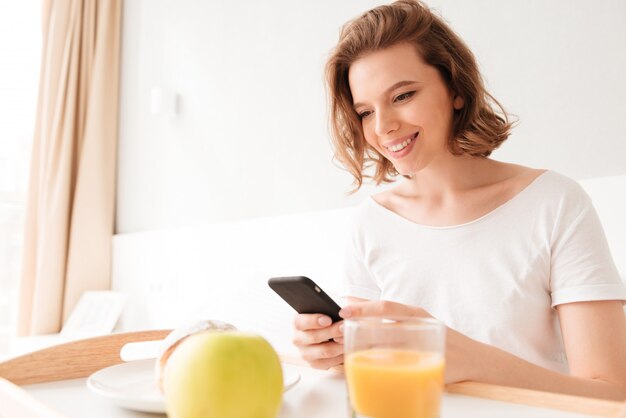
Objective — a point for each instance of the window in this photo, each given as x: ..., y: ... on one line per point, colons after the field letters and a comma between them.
x: 20, y: 49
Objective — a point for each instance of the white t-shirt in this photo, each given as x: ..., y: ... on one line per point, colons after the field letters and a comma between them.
x: 495, y: 279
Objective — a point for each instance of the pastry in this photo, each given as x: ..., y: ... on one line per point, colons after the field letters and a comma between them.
x: 175, y: 337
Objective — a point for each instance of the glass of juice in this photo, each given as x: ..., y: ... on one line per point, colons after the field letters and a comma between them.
x: 394, y: 367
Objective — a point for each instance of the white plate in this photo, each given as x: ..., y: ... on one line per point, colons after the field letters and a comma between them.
x: 132, y: 385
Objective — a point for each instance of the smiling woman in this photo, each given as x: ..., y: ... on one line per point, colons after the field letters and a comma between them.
x: 512, y: 259
x: 426, y: 104
x: 446, y: 73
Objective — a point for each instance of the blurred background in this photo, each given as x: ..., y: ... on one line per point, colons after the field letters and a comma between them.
x: 20, y: 50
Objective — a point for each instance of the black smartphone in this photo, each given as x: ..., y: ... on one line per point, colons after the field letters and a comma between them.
x: 305, y: 296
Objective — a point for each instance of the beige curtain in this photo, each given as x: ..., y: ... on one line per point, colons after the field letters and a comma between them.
x: 70, y: 210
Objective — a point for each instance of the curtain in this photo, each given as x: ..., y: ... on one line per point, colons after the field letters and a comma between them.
x: 70, y: 208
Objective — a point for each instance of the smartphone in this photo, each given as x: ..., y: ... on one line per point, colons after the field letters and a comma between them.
x: 305, y: 296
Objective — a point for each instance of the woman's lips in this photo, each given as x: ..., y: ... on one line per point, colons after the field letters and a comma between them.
x: 403, y: 147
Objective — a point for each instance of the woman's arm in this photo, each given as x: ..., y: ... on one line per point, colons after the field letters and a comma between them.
x: 594, y: 335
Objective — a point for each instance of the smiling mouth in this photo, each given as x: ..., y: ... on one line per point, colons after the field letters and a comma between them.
x: 399, y: 147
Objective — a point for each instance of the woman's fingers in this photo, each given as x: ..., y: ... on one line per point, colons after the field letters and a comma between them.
x: 380, y: 308
x: 316, y: 336
x: 325, y: 364
x: 320, y: 351
x: 324, y: 355
x: 304, y: 322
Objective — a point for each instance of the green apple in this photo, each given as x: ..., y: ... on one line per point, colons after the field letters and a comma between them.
x: 223, y: 375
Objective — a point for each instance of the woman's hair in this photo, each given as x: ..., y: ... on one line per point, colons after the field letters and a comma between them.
x: 477, y: 129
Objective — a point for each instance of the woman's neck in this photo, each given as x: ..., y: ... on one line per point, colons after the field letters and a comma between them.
x: 453, y: 176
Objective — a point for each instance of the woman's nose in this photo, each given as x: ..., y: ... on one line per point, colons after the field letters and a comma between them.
x: 386, y: 122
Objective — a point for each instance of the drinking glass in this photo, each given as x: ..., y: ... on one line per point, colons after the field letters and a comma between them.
x: 394, y: 367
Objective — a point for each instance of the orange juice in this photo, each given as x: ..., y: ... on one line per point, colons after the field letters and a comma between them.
x: 389, y: 383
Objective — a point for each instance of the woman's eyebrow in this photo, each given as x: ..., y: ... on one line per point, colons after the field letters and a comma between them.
x: 390, y: 89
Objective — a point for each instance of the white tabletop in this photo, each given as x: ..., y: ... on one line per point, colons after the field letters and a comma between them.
x: 318, y: 394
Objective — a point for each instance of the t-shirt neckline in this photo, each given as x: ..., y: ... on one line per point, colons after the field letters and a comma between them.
x: 489, y: 214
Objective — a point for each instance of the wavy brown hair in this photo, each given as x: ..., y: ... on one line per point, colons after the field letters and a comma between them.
x: 478, y: 128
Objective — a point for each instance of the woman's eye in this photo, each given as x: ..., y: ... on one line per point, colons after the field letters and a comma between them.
x: 404, y: 96
x: 365, y: 114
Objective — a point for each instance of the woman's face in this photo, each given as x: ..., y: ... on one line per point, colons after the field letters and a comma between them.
x: 405, y: 107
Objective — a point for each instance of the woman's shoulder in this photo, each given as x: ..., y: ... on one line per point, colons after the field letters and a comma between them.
x: 555, y: 186
x: 545, y: 182
x: 553, y: 198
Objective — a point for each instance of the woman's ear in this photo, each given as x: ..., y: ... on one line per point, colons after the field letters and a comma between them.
x: 458, y: 102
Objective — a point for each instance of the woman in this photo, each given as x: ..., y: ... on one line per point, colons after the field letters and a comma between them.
x: 512, y: 259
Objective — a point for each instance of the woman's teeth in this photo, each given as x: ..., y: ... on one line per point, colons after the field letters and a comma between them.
x: 403, y: 145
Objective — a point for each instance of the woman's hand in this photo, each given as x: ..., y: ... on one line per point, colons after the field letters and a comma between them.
x: 381, y: 308
x: 461, y: 351
x: 319, y: 340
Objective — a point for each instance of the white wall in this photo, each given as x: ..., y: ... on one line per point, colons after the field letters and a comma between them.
x: 251, y: 135
x: 220, y: 271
